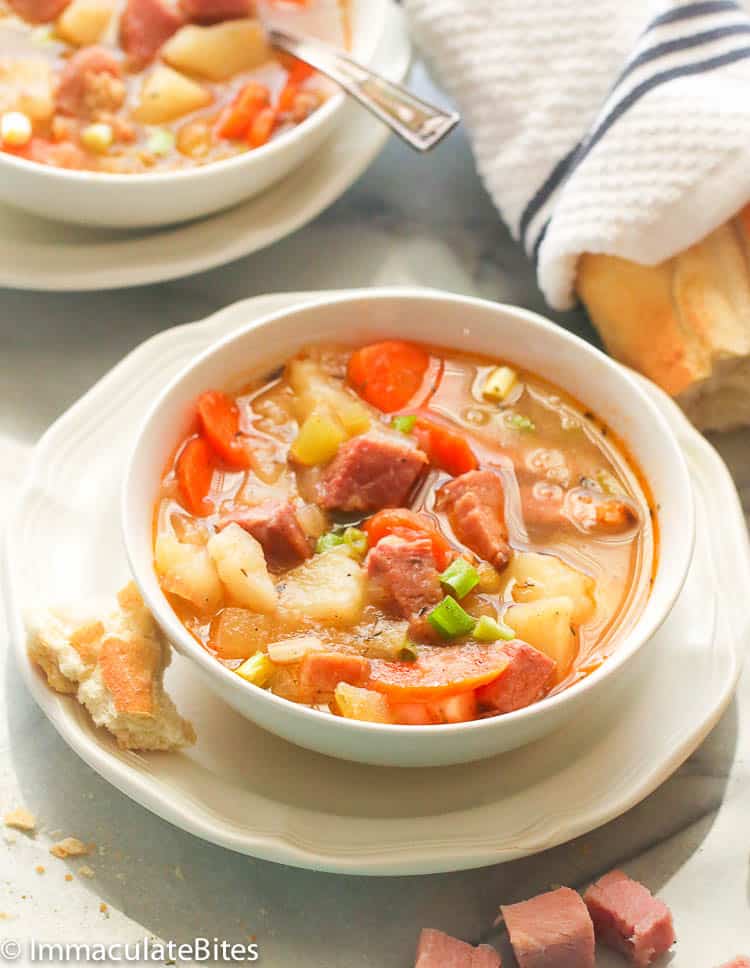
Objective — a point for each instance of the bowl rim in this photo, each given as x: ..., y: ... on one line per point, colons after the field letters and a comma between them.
x: 635, y: 639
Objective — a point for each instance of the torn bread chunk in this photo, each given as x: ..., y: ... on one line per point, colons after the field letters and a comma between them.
x: 114, y: 665
x: 70, y: 847
x: 20, y: 819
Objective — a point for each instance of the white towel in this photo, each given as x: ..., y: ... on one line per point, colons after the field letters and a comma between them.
x: 617, y: 126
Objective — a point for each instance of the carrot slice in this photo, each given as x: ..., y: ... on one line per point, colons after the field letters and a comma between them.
x: 219, y: 419
x: 285, y: 101
x: 446, y: 449
x: 388, y: 374
x: 297, y: 70
x: 438, y: 675
x: 261, y: 128
x: 406, y: 524
x: 195, y: 469
x: 246, y: 106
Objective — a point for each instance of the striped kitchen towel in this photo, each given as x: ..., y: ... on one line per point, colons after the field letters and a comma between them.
x: 610, y: 126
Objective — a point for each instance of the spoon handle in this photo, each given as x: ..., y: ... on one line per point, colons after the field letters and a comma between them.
x: 420, y: 124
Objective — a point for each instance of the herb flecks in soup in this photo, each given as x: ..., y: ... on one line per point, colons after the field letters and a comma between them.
x: 128, y: 86
x: 404, y: 534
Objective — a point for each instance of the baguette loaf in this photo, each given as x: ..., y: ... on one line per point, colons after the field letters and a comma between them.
x: 684, y: 323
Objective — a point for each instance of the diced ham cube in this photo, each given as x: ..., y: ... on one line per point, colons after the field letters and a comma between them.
x: 214, y: 11
x: 628, y: 918
x: 475, y: 504
x: 552, y: 930
x: 439, y: 950
x: 405, y: 570
x: 321, y: 672
x: 90, y: 82
x: 275, y: 525
x: 38, y: 11
x: 522, y: 683
x: 145, y: 25
x: 370, y: 472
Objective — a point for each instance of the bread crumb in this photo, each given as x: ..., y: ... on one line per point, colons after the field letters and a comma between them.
x: 39, y: 869
x: 70, y: 847
x: 103, y: 908
x: 85, y: 871
x: 20, y: 819
x: 68, y: 877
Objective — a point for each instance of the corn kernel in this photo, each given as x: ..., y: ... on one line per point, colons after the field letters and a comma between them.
x: 97, y: 137
x: 257, y: 669
x: 15, y: 129
x: 499, y: 383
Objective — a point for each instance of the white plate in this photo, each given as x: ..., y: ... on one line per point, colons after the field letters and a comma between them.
x: 41, y: 254
x: 248, y: 790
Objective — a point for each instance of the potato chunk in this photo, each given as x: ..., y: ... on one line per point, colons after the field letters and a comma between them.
x: 538, y: 576
x: 218, y: 52
x: 365, y: 704
x: 547, y: 625
x: 84, y: 21
x: 26, y: 85
x: 186, y: 570
x: 314, y: 389
x: 242, y: 568
x: 238, y: 633
x: 326, y: 588
x: 167, y: 94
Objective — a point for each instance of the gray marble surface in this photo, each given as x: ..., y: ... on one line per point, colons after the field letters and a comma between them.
x: 413, y: 220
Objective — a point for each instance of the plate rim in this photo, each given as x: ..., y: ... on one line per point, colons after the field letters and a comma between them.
x: 274, y: 846
x: 368, y: 137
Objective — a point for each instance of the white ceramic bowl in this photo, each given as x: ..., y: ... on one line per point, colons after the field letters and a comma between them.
x: 471, y: 324
x: 164, y: 198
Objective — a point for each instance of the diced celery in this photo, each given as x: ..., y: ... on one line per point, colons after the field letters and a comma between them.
x: 519, y: 422
x: 460, y: 576
x: 499, y: 383
x: 257, y: 669
x: 319, y: 437
x: 356, y: 540
x: 450, y: 620
x: 404, y: 422
x: 160, y: 142
x: 332, y: 539
x: 489, y: 629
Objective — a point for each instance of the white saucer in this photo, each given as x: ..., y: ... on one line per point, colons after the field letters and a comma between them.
x: 248, y: 790
x: 40, y: 254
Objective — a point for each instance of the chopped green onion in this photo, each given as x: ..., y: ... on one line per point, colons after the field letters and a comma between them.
x: 160, y: 142
x: 327, y: 541
x: 489, y: 630
x: 408, y: 652
x: 356, y: 540
x: 405, y: 423
x: 257, y: 669
x: 450, y: 620
x: 460, y: 576
x: 518, y: 422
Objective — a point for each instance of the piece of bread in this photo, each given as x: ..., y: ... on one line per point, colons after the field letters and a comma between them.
x: 684, y: 323
x: 114, y: 665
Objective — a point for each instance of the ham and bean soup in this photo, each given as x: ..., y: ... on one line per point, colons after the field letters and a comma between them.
x: 404, y: 534
x: 130, y: 86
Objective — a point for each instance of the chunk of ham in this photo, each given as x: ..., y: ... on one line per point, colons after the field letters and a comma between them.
x: 370, y: 472
x: 321, y: 672
x: 38, y: 11
x: 275, y: 525
x: 628, y: 918
x: 439, y: 950
x: 405, y: 570
x: 475, y: 505
x: 523, y: 682
x: 91, y: 81
x: 145, y: 25
x: 552, y: 930
x: 214, y: 11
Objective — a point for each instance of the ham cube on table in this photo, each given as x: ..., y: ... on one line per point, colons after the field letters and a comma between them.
x: 438, y: 950
x: 552, y: 930
x: 628, y: 918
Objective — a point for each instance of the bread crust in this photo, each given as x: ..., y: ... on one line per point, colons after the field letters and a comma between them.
x: 684, y: 323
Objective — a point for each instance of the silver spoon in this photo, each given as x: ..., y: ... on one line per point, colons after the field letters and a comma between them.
x: 420, y: 124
